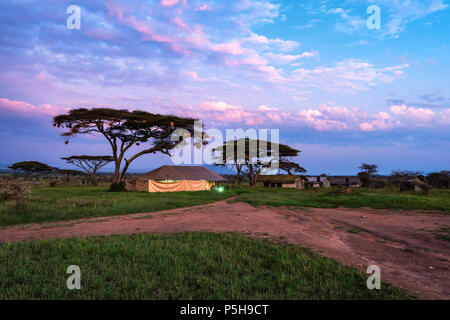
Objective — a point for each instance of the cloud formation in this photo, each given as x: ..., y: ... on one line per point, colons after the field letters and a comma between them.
x: 232, y: 63
x: 27, y: 109
x: 327, y: 117
x: 395, y: 14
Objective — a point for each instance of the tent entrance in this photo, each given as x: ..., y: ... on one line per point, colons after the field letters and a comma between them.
x: 158, y: 186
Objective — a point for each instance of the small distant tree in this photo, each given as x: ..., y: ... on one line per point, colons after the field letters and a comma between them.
x: 366, y: 173
x: 31, y: 167
x: 252, y: 162
x: 405, y: 174
x: 89, y: 164
x: 369, y: 169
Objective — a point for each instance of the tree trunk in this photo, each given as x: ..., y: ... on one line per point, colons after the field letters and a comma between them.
x: 251, y: 175
x: 238, y: 177
x: 124, y: 170
x: 116, y: 178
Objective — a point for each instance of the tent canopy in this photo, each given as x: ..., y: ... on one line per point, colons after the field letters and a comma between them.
x: 177, y: 173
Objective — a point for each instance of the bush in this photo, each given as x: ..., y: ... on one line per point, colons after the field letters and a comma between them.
x: 117, y: 187
x: 377, y: 183
x: 364, y: 178
x: 15, y: 194
x: 14, y: 191
x: 53, y: 183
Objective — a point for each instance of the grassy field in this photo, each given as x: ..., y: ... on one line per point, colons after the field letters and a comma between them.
x: 178, y: 266
x: 47, y: 204
x: 66, y: 203
x: 437, y: 200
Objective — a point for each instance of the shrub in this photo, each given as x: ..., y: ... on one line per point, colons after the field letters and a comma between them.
x: 364, y: 178
x: 15, y: 194
x: 117, y: 187
x: 377, y: 183
x: 53, y: 183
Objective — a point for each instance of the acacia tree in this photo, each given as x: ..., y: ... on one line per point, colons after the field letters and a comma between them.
x: 253, y: 155
x: 124, y: 129
x: 231, y: 160
x: 366, y: 174
x: 89, y: 164
x: 368, y: 169
x: 30, y: 167
x: 234, y: 164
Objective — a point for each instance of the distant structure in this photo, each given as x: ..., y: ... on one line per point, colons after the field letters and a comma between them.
x: 175, y: 178
x: 318, y: 182
x: 412, y: 184
x: 282, y: 181
x: 353, y: 182
x: 309, y: 182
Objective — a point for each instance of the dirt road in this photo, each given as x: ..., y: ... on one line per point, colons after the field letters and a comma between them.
x: 401, y: 243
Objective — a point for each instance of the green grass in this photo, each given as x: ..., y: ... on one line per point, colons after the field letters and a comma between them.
x: 178, y: 266
x: 443, y: 233
x: 437, y: 200
x: 66, y: 203
x: 355, y: 230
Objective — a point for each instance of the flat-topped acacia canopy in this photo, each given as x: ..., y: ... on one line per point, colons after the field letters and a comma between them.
x: 90, y: 164
x: 255, y: 155
x: 31, y: 167
x: 124, y: 129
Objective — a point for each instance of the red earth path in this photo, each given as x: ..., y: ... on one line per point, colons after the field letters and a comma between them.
x: 402, y: 243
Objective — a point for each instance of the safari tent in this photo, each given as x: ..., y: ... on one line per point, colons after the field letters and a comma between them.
x: 175, y: 178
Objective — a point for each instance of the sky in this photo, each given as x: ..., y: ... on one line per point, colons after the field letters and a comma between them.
x: 337, y: 90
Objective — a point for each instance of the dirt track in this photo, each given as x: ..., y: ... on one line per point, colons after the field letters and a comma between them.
x: 399, y: 242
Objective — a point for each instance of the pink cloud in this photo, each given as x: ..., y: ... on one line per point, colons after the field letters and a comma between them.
x: 266, y: 108
x: 147, y: 30
x: 193, y: 75
x: 218, y: 106
x: 324, y: 118
x: 233, y: 48
x: 203, y: 7
x: 320, y: 120
x: 25, y: 107
x: 114, y: 10
x: 381, y: 121
x: 415, y: 114
x: 170, y: 3
x: 351, y: 75
x: 190, y: 38
x: 181, y: 24
x: 445, y: 116
x: 281, y: 58
x: 279, y: 44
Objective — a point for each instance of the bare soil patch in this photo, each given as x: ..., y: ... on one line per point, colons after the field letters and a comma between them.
x: 401, y: 243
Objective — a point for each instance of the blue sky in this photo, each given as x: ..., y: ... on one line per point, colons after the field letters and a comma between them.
x: 337, y: 90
